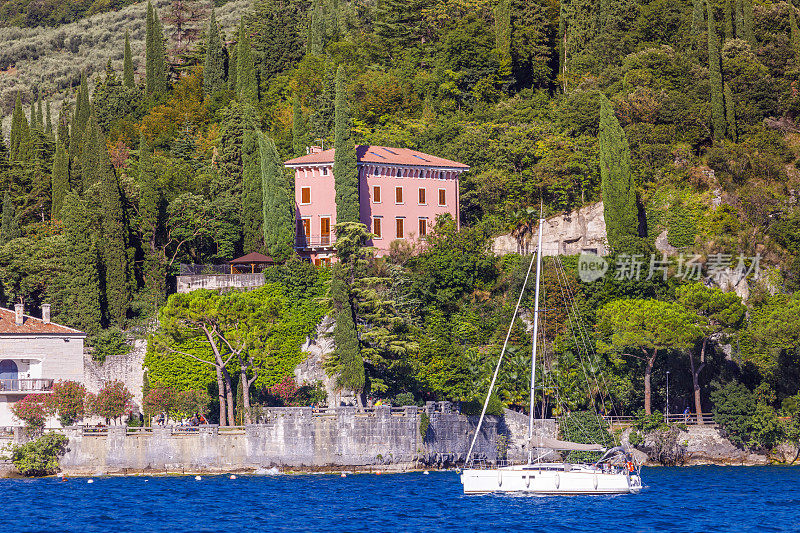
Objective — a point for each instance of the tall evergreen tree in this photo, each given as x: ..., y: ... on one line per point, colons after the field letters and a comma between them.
x: 298, y: 128
x: 618, y: 190
x: 347, y: 353
x: 59, y: 179
x: 698, y: 20
x: 48, y: 119
x: 155, y: 54
x: 10, y: 227
x: 214, y: 62
x: 749, y: 34
x: 729, y: 34
x: 233, y: 78
x: 794, y: 34
x: 317, y: 28
x: 19, y: 131
x: 730, y: 113
x: 114, y: 246
x: 127, y: 64
x: 80, y: 295
x: 32, y: 115
x: 502, y: 30
x: 715, y: 77
x: 246, y: 83
x: 562, y: 48
x: 278, y: 212
x: 345, y: 169
x: 154, y: 271
x: 252, y: 195
x: 740, y: 20
x: 62, y: 128
x: 39, y: 114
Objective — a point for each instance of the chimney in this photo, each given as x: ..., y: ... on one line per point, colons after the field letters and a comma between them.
x: 314, y: 149
x: 46, y: 313
x: 19, y: 311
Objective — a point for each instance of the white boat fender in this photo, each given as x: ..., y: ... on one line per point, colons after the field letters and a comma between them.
x: 528, y: 481
x: 557, y: 479
x: 197, y: 478
x: 90, y: 481
x: 595, y: 482
x: 425, y: 473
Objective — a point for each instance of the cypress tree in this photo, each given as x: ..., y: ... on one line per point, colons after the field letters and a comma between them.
x: 729, y: 34
x: 347, y: 351
x: 59, y: 180
x: 114, y: 249
x: 278, y: 212
x: 317, y: 28
x: 730, y: 114
x: 80, y: 294
x: 246, y: 84
x: 19, y: 131
x: 127, y: 64
x: 252, y: 195
x: 232, y: 74
x: 618, y: 190
x: 298, y: 128
x: 698, y: 20
x: 715, y: 78
x: 149, y: 198
x: 39, y: 114
x: 214, y: 62
x: 63, y: 125
x: 345, y: 169
x: 562, y: 48
x: 740, y: 20
x: 32, y: 114
x: 502, y: 30
x: 155, y: 54
x: 48, y: 125
x: 10, y: 228
x: 794, y: 35
x: 749, y: 35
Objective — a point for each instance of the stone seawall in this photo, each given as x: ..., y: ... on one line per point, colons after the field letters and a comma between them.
x: 293, y: 438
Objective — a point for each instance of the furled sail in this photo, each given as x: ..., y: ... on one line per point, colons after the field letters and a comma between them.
x: 555, y: 444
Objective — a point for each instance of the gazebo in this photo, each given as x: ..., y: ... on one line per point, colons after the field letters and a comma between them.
x: 250, y: 263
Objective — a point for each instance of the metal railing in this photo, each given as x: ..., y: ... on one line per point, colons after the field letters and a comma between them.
x: 690, y: 419
x: 301, y: 241
x: 191, y: 269
x: 26, y: 385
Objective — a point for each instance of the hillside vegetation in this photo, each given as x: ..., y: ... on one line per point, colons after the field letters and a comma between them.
x: 680, y: 116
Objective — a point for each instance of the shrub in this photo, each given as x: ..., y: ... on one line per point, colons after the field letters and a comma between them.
x: 189, y: 402
x: 31, y: 410
x: 160, y: 399
x: 39, y: 457
x: 113, y: 401
x: 67, y: 402
x: 404, y: 398
x: 285, y: 391
x: 746, y: 421
x: 110, y: 341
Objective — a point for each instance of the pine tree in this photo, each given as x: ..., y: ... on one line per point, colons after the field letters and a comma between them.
x: 794, y: 35
x: 740, y: 20
x: 155, y: 54
x: 749, y: 35
x: 730, y: 114
x: 246, y: 83
x: 298, y: 128
x: 214, y: 63
x: 80, y: 294
x: 59, y: 180
x: 345, y: 169
x: 114, y: 248
x: 698, y: 20
x: 715, y: 78
x: 48, y: 125
x: 618, y: 190
x: 127, y: 64
x: 278, y: 202
x: 729, y: 34
x: 10, y: 228
x: 252, y: 195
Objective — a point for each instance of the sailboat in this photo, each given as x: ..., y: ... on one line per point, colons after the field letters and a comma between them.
x: 615, y: 472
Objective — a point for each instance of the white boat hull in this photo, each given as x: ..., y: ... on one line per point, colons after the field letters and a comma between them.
x: 549, y: 479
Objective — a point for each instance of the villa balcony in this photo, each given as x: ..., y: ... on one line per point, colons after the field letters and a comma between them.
x: 25, y: 386
x: 313, y: 243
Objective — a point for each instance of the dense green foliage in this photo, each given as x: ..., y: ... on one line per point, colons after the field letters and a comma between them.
x: 39, y: 457
x: 345, y: 172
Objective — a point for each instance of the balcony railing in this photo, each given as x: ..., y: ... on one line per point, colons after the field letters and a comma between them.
x: 301, y: 241
x: 26, y: 385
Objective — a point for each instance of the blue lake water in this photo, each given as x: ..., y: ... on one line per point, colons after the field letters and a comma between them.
x: 693, y: 499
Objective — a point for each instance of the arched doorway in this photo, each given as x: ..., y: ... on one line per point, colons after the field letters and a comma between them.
x: 8, y: 369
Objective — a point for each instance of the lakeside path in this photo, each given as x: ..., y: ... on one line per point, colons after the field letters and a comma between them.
x: 707, y: 498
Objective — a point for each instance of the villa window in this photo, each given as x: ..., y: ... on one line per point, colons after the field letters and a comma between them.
x: 398, y: 195
x: 305, y: 195
x: 422, y: 197
x: 376, y: 228
x: 399, y: 227
x: 376, y: 194
x: 324, y: 171
x: 423, y: 227
x: 442, y: 197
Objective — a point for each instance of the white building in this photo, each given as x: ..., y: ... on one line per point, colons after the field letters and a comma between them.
x: 33, y: 354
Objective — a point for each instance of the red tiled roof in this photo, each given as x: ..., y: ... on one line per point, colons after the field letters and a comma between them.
x: 380, y: 155
x: 32, y: 326
x: 252, y: 257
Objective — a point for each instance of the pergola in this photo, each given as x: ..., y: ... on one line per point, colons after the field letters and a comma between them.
x: 252, y: 262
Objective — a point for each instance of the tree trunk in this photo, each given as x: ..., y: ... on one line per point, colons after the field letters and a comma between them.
x: 698, y: 405
x: 229, y: 396
x: 651, y: 359
x: 245, y: 395
x: 221, y: 395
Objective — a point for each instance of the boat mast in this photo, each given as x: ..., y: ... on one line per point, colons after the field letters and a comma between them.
x: 535, y: 339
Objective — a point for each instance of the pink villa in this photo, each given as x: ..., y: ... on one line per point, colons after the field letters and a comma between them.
x: 401, y: 192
